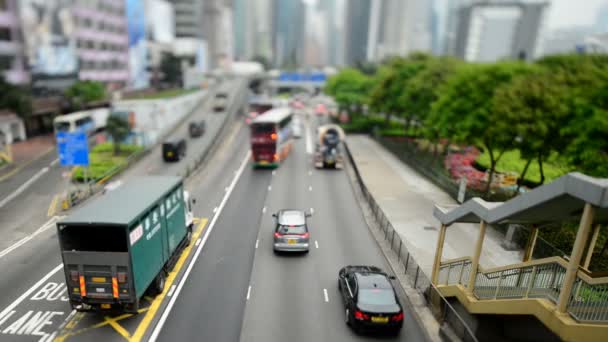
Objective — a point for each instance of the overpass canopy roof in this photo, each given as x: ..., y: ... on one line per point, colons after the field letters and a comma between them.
x: 559, y: 201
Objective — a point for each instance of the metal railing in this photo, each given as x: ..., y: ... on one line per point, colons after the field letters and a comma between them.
x: 541, y: 278
x: 439, y: 305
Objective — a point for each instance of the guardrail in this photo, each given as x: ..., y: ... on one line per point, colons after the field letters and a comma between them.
x: 441, y: 308
x: 541, y: 278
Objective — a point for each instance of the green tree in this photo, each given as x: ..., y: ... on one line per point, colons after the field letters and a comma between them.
x: 171, y: 69
x: 83, y: 92
x: 532, y: 107
x: 390, y: 83
x: 465, y: 110
x: 15, y: 99
x: 118, y: 128
x: 348, y: 87
x: 424, y: 89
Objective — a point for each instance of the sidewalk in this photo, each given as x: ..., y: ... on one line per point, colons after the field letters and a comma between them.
x: 25, y: 152
x: 407, y: 198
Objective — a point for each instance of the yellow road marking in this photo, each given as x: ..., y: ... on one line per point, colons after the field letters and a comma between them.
x: 65, y: 335
x: 52, y: 206
x: 145, y: 322
x: 150, y: 311
x: 119, y: 329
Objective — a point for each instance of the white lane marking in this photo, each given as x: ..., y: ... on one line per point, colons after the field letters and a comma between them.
x: 66, y: 320
x: 198, y: 242
x: 309, y: 148
x: 316, y: 244
x: 256, y: 243
x: 312, y: 210
x: 23, y: 187
x: 325, y: 295
x: 27, y: 293
x: 248, y: 292
x: 171, y: 290
x: 214, y: 210
x: 48, y: 224
x: 264, y: 210
x: 54, y: 162
x: 309, y: 172
x: 310, y: 188
x: 274, y: 172
x: 163, y: 318
x: 269, y: 187
x: 226, y: 188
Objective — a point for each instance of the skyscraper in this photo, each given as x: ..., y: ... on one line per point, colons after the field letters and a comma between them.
x: 357, y: 30
x: 334, y: 20
x: 491, y: 31
x: 288, y: 32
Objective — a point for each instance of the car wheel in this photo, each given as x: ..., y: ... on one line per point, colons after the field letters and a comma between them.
x: 347, y: 317
x: 159, y: 283
x: 189, y: 236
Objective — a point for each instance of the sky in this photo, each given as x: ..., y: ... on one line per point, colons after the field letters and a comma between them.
x: 564, y: 13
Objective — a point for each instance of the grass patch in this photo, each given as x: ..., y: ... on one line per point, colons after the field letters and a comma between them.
x: 164, y: 94
x: 102, y: 161
x: 511, y: 161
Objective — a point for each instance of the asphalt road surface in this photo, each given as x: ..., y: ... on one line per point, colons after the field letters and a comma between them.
x: 33, y: 304
x: 237, y: 278
x: 229, y: 286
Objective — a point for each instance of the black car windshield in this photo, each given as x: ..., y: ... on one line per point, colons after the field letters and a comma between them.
x: 285, y: 230
x: 377, y: 297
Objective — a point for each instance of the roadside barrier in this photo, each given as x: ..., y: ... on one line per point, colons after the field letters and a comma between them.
x: 443, y: 311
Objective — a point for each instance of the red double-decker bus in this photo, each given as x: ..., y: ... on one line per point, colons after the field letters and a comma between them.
x: 271, y: 137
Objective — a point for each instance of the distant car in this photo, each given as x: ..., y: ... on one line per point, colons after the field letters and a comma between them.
x: 370, y: 301
x: 174, y: 150
x: 291, y: 231
x: 196, y: 128
x: 220, y: 102
x: 297, y: 130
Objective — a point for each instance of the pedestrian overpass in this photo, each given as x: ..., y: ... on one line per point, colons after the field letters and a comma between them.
x: 559, y: 291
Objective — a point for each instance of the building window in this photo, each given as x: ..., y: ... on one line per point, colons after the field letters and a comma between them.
x: 90, y: 44
x: 5, y: 34
x: 6, y: 63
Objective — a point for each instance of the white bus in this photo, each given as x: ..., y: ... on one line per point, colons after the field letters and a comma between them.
x: 88, y: 121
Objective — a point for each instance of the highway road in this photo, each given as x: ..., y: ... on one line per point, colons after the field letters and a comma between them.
x: 229, y: 286
x: 33, y: 303
x: 237, y: 277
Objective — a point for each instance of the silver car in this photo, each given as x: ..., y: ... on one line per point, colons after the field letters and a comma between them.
x: 291, y: 232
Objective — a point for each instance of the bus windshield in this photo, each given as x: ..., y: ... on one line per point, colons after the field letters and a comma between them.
x: 62, y: 126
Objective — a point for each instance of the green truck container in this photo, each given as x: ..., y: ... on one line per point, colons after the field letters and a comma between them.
x: 124, y: 243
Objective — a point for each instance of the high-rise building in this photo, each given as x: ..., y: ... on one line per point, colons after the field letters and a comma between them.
x: 491, y: 31
x: 218, y: 27
x: 404, y: 27
x: 253, y: 28
x: 334, y: 27
x: 102, y: 41
x: 188, y: 18
x: 12, y: 59
x: 357, y: 30
x: 288, y: 32
x: 450, y: 16
x: 601, y: 21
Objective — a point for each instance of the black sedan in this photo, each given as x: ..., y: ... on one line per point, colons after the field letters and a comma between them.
x: 370, y: 300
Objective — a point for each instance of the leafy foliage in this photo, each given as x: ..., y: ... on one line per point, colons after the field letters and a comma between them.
x: 171, y: 68
x: 14, y: 99
x: 118, y: 128
x: 348, y: 87
x: 83, y: 92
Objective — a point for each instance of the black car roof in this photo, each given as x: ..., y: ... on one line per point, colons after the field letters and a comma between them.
x: 372, y: 281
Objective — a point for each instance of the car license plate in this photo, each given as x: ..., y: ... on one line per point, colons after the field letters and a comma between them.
x: 98, y: 279
x: 376, y: 319
x: 100, y: 290
x: 169, y: 154
x: 106, y: 306
x: 291, y: 241
x: 263, y: 162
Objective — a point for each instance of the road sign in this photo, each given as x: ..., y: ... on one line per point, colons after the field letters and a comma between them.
x: 302, y: 77
x: 73, y: 149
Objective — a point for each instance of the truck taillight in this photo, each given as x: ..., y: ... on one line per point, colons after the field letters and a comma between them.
x: 114, y: 287
x: 273, y: 136
x: 122, y: 277
x: 83, y: 287
x: 74, y: 276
